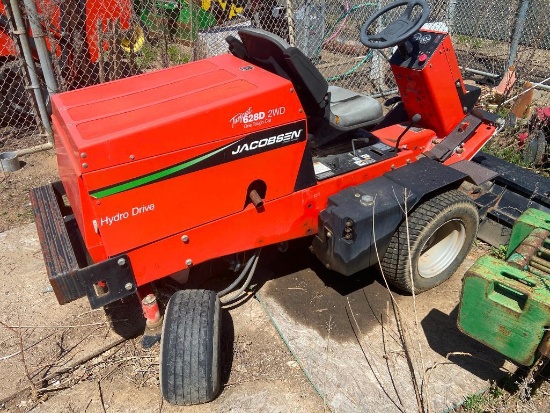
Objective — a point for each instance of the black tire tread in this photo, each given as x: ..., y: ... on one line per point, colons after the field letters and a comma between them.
x: 395, y: 263
x: 188, y: 348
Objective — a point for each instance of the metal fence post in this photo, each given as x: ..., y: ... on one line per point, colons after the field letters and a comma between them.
x: 377, y: 67
x: 516, y: 36
x: 451, y: 15
x: 35, y: 84
x: 290, y: 20
x: 41, y: 48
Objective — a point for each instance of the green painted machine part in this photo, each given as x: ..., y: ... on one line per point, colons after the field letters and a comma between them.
x: 526, y: 223
x: 506, y: 304
x: 176, y: 17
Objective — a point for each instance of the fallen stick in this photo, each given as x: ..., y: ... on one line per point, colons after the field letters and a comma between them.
x: 70, y: 367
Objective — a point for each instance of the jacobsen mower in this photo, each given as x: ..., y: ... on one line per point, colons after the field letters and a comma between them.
x: 167, y: 170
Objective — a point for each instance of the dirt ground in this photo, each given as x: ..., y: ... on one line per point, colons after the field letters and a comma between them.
x: 37, y: 169
x: 68, y: 359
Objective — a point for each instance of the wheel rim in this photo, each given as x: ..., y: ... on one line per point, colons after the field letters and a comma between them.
x: 441, y: 249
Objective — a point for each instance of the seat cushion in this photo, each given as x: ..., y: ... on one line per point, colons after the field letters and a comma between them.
x: 349, y: 110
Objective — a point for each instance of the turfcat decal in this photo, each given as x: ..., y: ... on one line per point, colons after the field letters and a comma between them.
x: 249, y: 145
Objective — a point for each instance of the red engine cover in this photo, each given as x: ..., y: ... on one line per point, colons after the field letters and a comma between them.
x: 126, y: 149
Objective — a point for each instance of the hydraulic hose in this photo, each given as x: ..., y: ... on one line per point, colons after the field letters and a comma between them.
x: 239, y: 292
x: 227, y: 290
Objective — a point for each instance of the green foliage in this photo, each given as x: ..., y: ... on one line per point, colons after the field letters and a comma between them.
x: 472, y: 42
x: 506, y: 146
x: 488, y: 401
x: 146, y: 57
x: 176, y: 55
x: 496, y: 392
x: 510, y: 153
x: 149, y: 57
x: 474, y: 403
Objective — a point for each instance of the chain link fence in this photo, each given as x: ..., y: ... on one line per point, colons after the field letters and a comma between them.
x: 94, y: 41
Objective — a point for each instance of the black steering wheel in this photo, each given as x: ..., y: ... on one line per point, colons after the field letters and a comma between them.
x: 400, y: 29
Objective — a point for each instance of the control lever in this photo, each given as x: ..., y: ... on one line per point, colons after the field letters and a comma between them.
x: 405, y: 48
x: 415, y: 119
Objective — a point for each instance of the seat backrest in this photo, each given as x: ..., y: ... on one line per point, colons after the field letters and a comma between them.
x: 272, y: 53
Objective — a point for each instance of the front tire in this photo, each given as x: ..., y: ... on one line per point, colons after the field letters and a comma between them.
x: 190, y: 348
x: 441, y: 232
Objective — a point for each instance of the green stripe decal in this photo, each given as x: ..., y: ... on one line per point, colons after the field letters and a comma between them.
x: 155, y: 176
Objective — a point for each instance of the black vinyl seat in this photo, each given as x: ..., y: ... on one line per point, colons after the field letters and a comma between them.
x: 331, y: 110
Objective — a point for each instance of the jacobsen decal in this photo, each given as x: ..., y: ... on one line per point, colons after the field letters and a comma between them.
x: 288, y: 137
x: 249, y: 145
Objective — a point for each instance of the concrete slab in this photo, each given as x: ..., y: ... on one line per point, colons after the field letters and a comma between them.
x: 347, y: 338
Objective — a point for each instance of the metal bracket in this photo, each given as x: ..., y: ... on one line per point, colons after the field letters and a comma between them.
x: 117, y: 276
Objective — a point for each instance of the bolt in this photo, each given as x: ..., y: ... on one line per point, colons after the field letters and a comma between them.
x: 149, y: 299
x: 185, y: 239
x: 329, y: 234
x: 84, y: 165
x: 132, y: 157
x: 301, y: 110
x: 128, y: 286
x: 291, y: 90
x: 121, y: 262
x: 349, y: 223
x: 189, y: 262
x: 367, y: 200
x: 357, y: 195
x: 83, y: 155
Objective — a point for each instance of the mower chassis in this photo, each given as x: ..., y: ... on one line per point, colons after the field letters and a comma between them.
x: 73, y: 275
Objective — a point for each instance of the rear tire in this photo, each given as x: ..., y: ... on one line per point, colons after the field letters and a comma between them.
x: 190, y: 348
x: 441, y: 232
